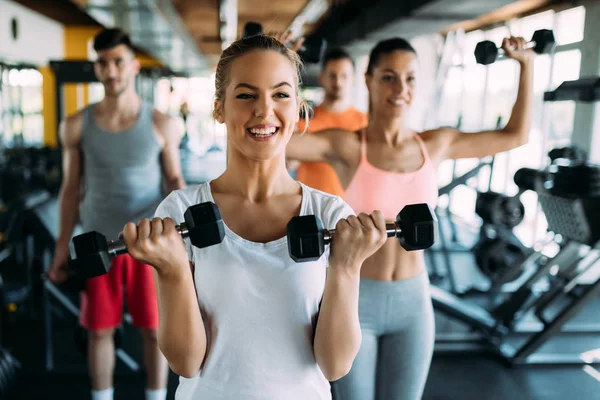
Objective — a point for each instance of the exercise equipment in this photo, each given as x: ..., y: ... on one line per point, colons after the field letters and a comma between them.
x: 570, y: 153
x: 542, y: 42
x: 92, y: 254
x: 499, y: 209
x: 500, y: 255
x: 9, y: 372
x: 415, y: 228
x: 554, y: 290
x: 580, y: 180
x: 586, y: 89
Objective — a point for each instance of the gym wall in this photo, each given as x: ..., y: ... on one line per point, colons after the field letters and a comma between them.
x: 20, y: 43
x: 31, y: 28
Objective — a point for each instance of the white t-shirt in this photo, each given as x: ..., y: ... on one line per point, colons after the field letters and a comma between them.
x: 259, y: 309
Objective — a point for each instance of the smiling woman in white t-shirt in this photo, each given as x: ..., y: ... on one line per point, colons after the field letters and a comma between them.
x: 241, y: 319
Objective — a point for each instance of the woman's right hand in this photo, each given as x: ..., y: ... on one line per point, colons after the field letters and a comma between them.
x: 357, y: 238
x: 156, y: 243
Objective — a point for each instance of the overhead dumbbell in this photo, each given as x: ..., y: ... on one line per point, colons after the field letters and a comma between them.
x: 542, y: 42
x: 91, y: 253
x: 415, y: 228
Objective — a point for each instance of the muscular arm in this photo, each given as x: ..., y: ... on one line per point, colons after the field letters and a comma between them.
x: 338, y: 336
x: 70, y: 188
x: 181, y: 334
x: 453, y: 144
x: 171, y: 131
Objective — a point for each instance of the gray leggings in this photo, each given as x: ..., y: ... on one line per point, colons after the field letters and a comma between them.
x: 398, y: 334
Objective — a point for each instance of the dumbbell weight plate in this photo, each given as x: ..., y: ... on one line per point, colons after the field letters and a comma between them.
x: 544, y: 41
x: 486, y: 52
x: 499, y: 260
x: 511, y: 212
x: 499, y: 210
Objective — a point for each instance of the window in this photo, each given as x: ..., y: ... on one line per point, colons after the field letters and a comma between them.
x: 569, y: 24
x: 21, y: 96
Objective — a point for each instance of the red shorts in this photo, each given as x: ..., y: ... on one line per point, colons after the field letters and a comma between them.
x: 102, y: 299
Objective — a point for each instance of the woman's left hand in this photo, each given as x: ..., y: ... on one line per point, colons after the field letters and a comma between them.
x: 288, y: 40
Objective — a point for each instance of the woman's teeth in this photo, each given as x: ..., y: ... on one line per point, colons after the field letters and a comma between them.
x: 262, y: 132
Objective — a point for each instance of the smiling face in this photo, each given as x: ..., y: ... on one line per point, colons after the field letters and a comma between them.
x: 260, y: 107
x: 392, y: 83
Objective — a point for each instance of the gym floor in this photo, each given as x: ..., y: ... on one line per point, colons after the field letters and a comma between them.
x: 452, y: 376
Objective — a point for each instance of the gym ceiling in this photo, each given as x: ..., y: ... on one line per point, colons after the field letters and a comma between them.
x: 188, y: 35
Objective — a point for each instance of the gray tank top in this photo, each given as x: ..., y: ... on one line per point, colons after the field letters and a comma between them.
x: 121, y: 174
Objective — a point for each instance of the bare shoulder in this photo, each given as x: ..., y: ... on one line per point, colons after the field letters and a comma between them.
x: 70, y: 129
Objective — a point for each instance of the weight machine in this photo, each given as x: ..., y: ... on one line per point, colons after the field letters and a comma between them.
x: 569, y: 196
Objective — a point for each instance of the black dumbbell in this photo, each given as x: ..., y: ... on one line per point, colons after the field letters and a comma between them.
x: 542, y: 42
x: 415, y: 227
x: 91, y: 254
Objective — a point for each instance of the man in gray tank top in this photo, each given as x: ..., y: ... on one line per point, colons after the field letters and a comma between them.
x: 120, y: 159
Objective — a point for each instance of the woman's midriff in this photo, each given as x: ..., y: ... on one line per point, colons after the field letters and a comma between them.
x: 393, y: 263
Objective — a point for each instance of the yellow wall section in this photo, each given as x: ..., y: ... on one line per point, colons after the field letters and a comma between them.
x: 77, y: 39
x: 49, y: 109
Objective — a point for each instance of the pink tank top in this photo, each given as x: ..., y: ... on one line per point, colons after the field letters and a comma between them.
x: 372, y: 188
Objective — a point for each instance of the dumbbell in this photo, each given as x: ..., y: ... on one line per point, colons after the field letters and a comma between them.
x: 91, y: 254
x: 542, y: 42
x: 415, y: 227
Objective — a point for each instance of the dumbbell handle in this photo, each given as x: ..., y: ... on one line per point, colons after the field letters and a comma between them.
x: 118, y: 247
x: 391, y: 228
x: 528, y: 45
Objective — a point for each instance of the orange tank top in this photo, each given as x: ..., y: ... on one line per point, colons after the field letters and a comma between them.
x: 372, y: 188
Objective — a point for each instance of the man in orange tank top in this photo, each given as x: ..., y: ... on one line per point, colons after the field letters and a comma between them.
x: 336, y: 111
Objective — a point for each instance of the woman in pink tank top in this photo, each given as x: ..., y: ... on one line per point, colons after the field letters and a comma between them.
x: 385, y: 167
